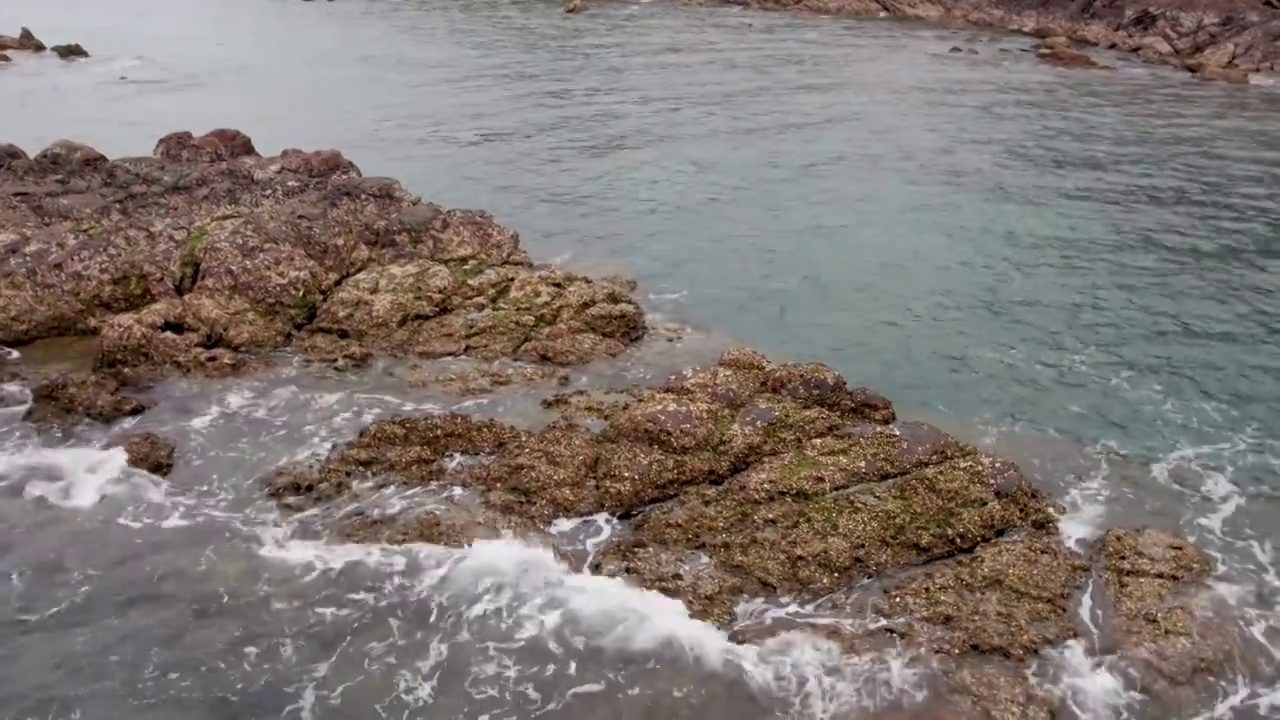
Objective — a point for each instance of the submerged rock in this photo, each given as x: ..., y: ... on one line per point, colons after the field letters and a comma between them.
x: 148, y: 451
x: 207, y: 255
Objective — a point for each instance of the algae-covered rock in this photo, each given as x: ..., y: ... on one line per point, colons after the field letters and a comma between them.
x: 148, y: 451
x: 1174, y: 637
x: 776, y: 478
x: 1010, y: 598
x: 207, y: 253
x: 750, y: 480
x: 63, y: 399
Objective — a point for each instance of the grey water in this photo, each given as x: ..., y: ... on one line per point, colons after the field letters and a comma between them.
x: 1081, y: 269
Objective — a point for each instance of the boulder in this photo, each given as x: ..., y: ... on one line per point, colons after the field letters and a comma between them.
x: 26, y: 40
x: 72, y: 51
x: 148, y: 452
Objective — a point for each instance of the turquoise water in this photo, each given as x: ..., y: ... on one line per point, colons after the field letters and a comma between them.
x: 1064, y: 262
x: 977, y: 234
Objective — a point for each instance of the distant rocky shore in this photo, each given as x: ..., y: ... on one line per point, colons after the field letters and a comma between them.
x: 26, y: 41
x: 1215, y: 39
x: 745, y: 478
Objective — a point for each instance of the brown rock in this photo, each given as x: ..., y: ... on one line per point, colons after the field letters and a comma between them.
x: 65, y: 399
x: 1157, y: 47
x: 1065, y: 57
x: 4, y: 58
x: 1218, y: 56
x: 1234, y: 33
x: 317, y: 164
x: 69, y: 156
x: 1055, y: 41
x: 72, y: 51
x: 10, y: 154
x: 484, y: 379
x: 190, y: 335
x: 1229, y: 75
x: 708, y: 592
x: 1165, y: 626
x: 1011, y: 599
x: 430, y: 309
x: 26, y: 40
x: 405, y: 450
x: 746, y: 477
x: 206, y: 254
x: 214, y: 146
x: 148, y: 452
x: 574, y: 6
x: 452, y: 526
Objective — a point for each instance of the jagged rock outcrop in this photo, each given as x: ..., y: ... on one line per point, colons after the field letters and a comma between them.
x: 751, y: 479
x: 206, y: 255
x: 25, y: 40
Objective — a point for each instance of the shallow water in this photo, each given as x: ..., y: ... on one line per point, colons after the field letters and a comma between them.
x: 1079, y: 268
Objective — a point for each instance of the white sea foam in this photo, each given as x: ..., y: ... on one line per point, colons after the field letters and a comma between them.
x: 1087, y: 686
x: 82, y: 476
x: 535, y: 595
x: 1086, y: 507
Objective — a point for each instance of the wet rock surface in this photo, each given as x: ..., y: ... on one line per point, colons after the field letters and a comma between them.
x: 755, y: 479
x: 148, y: 451
x: 485, y: 379
x: 207, y: 255
x: 1216, y: 39
x: 1171, y: 635
x: 64, y: 399
x: 25, y: 40
x: 70, y: 51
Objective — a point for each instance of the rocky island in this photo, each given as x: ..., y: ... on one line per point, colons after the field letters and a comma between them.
x: 26, y: 41
x: 746, y: 478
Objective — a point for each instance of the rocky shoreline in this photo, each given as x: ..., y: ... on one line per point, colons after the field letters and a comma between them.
x: 1229, y: 40
x: 26, y: 41
x: 746, y: 478
x: 206, y: 257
